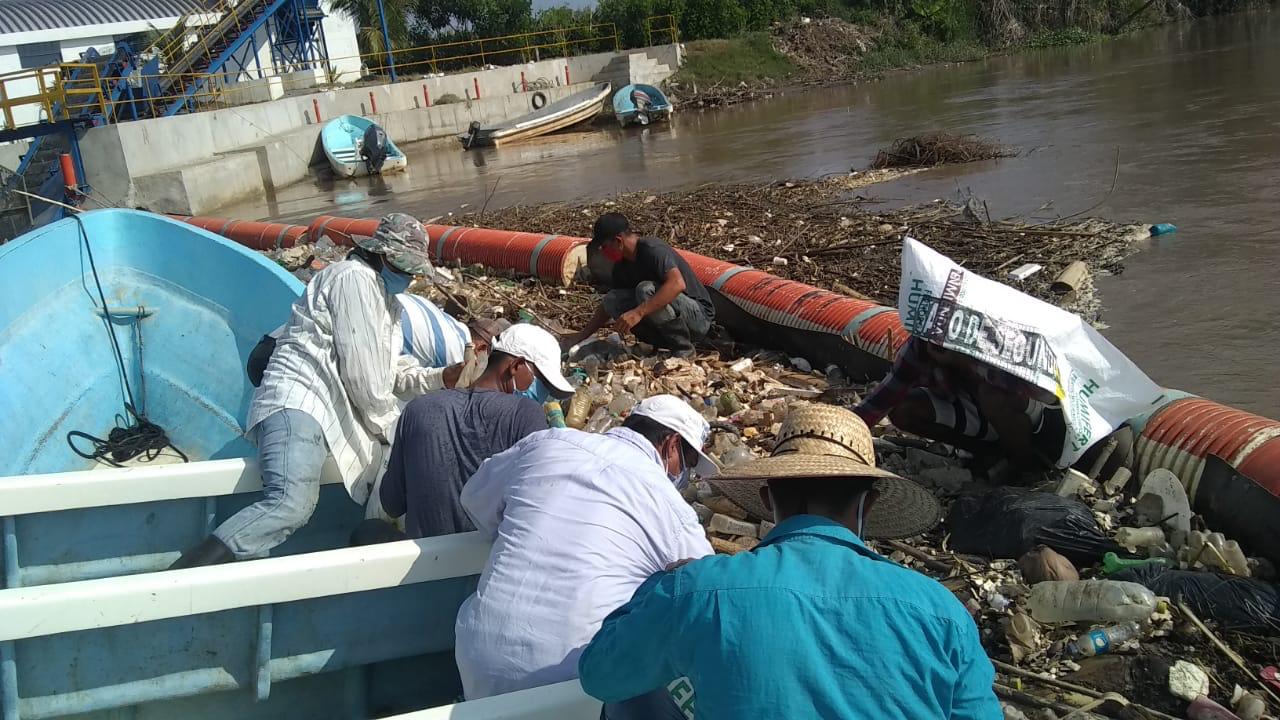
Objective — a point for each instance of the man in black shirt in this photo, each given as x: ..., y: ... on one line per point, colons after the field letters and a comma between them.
x: 654, y: 294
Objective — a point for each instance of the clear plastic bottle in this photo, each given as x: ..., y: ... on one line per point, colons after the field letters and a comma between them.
x: 600, y: 421
x: 1139, y: 537
x: 621, y: 403
x: 1104, y: 639
x: 579, y: 409
x: 735, y: 455
x: 1064, y: 601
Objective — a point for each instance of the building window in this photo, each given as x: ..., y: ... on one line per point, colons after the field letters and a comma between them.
x: 34, y: 55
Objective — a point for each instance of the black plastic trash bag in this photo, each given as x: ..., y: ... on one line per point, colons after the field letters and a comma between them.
x: 1005, y: 523
x: 1235, y: 603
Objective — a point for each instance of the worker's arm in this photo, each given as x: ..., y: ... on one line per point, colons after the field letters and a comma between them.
x: 597, y: 321
x: 357, y: 303
x: 484, y: 496
x: 632, y: 652
x: 672, y: 285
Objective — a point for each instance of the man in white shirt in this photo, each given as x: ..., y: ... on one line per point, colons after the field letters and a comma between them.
x: 578, y: 522
x: 329, y: 390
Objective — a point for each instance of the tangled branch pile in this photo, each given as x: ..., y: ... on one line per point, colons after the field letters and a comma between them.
x: 823, y: 49
x: 820, y: 232
x: 939, y: 148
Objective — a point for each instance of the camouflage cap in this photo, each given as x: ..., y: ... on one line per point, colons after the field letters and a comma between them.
x: 402, y: 240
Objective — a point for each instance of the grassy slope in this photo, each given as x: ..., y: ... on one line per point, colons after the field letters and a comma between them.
x: 749, y: 58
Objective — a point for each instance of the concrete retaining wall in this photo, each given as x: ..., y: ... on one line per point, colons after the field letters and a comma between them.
x: 281, y: 134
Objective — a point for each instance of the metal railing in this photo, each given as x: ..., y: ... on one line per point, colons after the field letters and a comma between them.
x: 53, y: 90
x: 664, y: 26
x: 459, y: 54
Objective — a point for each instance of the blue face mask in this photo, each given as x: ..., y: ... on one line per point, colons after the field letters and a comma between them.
x: 537, y: 391
x: 681, y: 480
x: 394, y: 282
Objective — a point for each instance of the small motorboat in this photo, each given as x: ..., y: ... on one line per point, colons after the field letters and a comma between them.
x: 640, y: 105
x: 567, y: 112
x: 345, y: 138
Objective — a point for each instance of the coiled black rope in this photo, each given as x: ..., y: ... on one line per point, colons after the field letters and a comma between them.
x: 133, y: 434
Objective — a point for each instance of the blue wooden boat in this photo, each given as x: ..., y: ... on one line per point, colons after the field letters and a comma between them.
x: 627, y: 111
x: 342, y: 138
x: 91, y: 623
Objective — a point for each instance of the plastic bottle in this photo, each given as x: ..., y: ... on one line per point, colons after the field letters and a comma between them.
x: 555, y: 413
x: 1163, y: 229
x: 1112, y: 563
x: 1237, y: 563
x: 1103, y: 640
x: 579, y: 409
x: 735, y: 455
x: 1139, y: 537
x: 621, y: 403
x: 1064, y: 601
x: 600, y: 421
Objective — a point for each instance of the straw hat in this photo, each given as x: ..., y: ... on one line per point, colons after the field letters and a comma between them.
x: 825, y: 441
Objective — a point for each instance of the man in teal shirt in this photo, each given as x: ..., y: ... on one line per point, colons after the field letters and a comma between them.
x: 810, y: 624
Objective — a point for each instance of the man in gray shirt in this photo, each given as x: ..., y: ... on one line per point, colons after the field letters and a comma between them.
x: 444, y: 435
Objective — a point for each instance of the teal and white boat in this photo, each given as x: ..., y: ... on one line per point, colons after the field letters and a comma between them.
x: 92, y: 625
x: 343, y: 138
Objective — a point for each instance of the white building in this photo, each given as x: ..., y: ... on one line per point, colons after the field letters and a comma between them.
x: 38, y: 33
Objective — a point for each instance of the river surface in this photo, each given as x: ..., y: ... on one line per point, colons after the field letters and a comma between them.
x: 1193, y: 110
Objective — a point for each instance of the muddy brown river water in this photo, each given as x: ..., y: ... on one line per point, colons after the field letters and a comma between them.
x: 1193, y: 109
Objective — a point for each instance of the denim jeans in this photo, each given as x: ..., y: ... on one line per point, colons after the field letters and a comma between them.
x: 655, y: 705
x: 678, y: 325
x: 291, y: 451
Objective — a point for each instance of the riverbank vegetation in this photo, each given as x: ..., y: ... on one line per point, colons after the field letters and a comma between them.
x: 758, y: 42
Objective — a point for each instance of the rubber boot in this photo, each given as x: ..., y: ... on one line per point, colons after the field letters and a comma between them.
x: 210, y: 551
x: 671, y: 335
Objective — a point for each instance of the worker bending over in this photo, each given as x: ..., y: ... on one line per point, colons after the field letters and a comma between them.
x: 811, y: 623
x: 953, y: 398
x: 444, y: 436
x: 329, y: 390
x: 578, y: 521
x: 654, y: 294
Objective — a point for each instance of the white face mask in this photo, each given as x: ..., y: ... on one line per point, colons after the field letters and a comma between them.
x: 862, y: 503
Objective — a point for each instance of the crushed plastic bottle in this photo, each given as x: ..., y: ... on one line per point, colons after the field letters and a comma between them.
x: 1064, y: 601
x: 736, y: 455
x: 1102, y: 640
x: 600, y: 421
x: 621, y: 403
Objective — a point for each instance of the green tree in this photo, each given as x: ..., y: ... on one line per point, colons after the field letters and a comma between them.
x: 705, y: 19
x: 630, y: 16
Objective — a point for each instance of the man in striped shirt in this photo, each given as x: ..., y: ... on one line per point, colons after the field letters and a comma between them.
x: 329, y: 390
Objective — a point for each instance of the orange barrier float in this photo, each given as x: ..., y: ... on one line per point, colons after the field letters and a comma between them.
x: 1177, y: 436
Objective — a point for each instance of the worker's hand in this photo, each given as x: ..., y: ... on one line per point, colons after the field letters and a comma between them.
x: 470, y: 369
x: 628, y: 320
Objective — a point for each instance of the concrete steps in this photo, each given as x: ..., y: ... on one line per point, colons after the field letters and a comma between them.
x: 635, y: 67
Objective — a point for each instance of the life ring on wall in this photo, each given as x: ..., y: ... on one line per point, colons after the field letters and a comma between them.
x: 539, y: 100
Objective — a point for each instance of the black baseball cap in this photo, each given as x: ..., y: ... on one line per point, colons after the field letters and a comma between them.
x: 609, y: 226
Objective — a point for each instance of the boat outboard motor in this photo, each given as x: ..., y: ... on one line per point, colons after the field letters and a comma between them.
x: 374, y: 149
x: 643, y: 102
x: 472, y: 130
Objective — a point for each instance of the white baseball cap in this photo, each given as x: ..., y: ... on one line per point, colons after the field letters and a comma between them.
x: 676, y: 414
x: 532, y: 343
